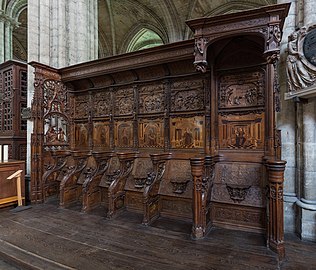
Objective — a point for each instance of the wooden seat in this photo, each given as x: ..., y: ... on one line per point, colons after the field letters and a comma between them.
x: 91, y: 189
x: 70, y: 186
x: 55, y: 172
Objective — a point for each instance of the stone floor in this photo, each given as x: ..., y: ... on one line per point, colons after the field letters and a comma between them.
x: 47, y: 237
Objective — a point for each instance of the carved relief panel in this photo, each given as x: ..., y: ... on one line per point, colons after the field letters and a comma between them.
x: 187, y: 132
x: 124, y: 101
x: 187, y: 95
x: 55, y: 117
x: 123, y: 134
x: 241, y: 90
x: 238, y: 183
x: 151, y: 133
x: 101, y: 134
x: 241, y: 131
x: 102, y: 104
x: 82, y: 106
x: 151, y: 98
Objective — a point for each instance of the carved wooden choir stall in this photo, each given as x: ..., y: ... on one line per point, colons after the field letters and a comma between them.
x: 145, y: 132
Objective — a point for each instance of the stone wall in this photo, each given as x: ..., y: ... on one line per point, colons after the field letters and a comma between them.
x: 297, y: 121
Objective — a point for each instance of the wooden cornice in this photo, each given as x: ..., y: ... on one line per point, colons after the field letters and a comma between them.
x: 130, y: 61
x: 205, y: 23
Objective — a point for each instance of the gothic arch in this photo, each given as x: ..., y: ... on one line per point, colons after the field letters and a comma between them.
x: 132, y: 42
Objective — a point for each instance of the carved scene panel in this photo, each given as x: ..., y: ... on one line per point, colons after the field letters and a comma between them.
x: 187, y: 133
x: 151, y: 98
x: 101, y: 134
x: 187, y: 95
x: 56, y: 130
x: 242, y: 90
x: 241, y: 131
x: 151, y: 133
x: 102, y: 104
x: 56, y: 125
x: 123, y: 134
x: 124, y: 101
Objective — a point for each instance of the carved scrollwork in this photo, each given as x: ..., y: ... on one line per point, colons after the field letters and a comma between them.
x: 102, y: 104
x: 124, y: 101
x: 201, y: 66
x: 152, y: 99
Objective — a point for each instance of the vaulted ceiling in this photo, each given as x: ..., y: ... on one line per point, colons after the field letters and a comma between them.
x: 126, y: 25
x: 129, y: 25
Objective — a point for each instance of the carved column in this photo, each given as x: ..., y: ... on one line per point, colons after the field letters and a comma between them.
x: 42, y: 74
x: 197, y: 170
x: 275, y: 171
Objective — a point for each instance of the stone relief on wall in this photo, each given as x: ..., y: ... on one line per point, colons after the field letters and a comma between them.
x: 301, y: 59
x: 151, y: 99
x: 187, y: 132
x: 124, y: 134
x: 101, y: 134
x: 241, y: 131
x: 242, y: 90
x: 102, y: 104
x: 151, y: 133
x: 124, y: 101
x: 187, y: 95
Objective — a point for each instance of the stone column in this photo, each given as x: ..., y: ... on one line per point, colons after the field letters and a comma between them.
x: 60, y: 33
x: 307, y: 202
x: 298, y: 124
x: 7, y: 25
x: 287, y: 124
